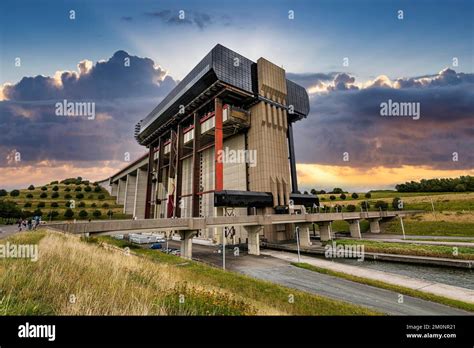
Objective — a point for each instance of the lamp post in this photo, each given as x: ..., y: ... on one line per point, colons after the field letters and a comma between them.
x: 297, y: 230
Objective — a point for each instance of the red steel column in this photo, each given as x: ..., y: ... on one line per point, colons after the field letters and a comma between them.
x: 196, y: 164
x: 218, y: 146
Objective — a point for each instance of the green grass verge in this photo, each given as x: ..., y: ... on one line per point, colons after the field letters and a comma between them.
x: 431, y: 228
x: 258, y: 290
x: 397, y: 288
x: 442, y: 240
x: 463, y: 253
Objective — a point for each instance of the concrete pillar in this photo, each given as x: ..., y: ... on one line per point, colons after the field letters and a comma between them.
x: 354, y: 227
x: 187, y: 243
x: 121, y: 191
x: 253, y: 235
x: 374, y: 225
x: 140, y: 194
x: 325, y: 231
x: 304, y: 234
x: 129, y: 194
x: 114, y: 189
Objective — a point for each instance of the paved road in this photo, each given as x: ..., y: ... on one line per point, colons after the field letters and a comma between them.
x: 283, y: 273
x: 7, y: 230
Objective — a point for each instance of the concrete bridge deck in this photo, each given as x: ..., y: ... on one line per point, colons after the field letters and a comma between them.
x: 188, y: 227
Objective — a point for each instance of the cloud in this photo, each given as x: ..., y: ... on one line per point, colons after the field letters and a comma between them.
x: 120, y: 76
x: 186, y: 17
x: 121, y: 95
x: 345, y: 117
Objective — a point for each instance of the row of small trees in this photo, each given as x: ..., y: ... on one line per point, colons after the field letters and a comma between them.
x: 365, y: 205
x: 461, y: 184
x: 55, y: 194
x: 67, y: 204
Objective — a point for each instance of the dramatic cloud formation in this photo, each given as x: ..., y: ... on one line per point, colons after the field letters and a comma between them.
x: 124, y: 89
x: 345, y: 118
x: 122, y: 76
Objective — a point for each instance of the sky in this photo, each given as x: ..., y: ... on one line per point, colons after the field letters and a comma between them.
x: 351, y: 56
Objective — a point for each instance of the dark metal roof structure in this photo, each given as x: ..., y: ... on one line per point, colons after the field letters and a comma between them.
x: 220, y: 69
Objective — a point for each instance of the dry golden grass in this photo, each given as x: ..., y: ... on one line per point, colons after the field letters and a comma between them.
x: 446, y: 216
x: 71, y: 278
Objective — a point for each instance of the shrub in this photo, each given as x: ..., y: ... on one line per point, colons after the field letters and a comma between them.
x: 342, y: 196
x: 96, y: 213
x: 44, y: 188
x: 365, y: 205
x: 38, y: 212
x: 43, y: 195
x: 332, y: 197
x: 368, y: 195
x: 101, y: 196
x: 41, y: 204
x: 110, y: 213
x: 105, y: 205
x: 68, y: 213
x: 338, y: 208
x: 52, y: 214
x: 55, y: 188
x: 87, y: 189
x: 55, y: 182
x: 78, y: 189
x: 27, y: 205
x: 67, y: 189
x: 97, y: 189
x: 326, y: 209
x: 54, y: 205
x: 29, y: 195
x: 14, y: 193
x: 337, y: 190
x: 93, y: 205
x: 67, y: 196
x: 79, y: 195
x: 83, y: 214
x: 31, y: 187
x: 3, y: 192
x: 355, y: 195
x: 81, y: 205
x: 55, y: 195
x: 351, y: 207
x: 397, y: 203
x: 381, y: 205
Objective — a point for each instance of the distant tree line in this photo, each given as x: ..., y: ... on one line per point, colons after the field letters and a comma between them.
x: 461, y: 184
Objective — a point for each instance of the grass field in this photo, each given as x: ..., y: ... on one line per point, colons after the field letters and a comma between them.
x: 399, y: 289
x: 89, y: 200
x: 74, y: 277
x: 448, y: 201
x: 461, y: 253
x: 453, y: 215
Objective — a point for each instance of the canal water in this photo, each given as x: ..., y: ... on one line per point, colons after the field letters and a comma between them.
x: 452, y: 276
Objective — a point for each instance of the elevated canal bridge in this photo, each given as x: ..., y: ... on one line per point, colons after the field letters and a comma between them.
x: 253, y: 224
